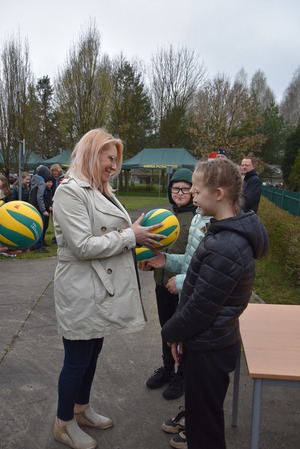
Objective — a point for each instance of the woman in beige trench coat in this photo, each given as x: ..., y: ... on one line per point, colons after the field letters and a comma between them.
x: 95, y: 286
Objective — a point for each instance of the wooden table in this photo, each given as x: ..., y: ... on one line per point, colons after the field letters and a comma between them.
x: 271, y: 343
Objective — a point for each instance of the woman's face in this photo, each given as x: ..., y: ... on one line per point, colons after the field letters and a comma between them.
x: 55, y: 173
x: 108, y: 160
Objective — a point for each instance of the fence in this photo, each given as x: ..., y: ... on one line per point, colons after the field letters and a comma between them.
x: 289, y: 201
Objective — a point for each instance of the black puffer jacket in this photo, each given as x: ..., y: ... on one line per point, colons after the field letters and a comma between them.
x: 252, y: 188
x: 218, y: 284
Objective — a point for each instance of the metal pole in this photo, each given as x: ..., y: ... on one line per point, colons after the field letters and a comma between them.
x: 21, y: 162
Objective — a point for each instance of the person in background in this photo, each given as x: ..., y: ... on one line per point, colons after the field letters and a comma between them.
x: 96, y: 288
x: 37, y: 199
x: 221, y: 154
x: 216, y: 290
x: 58, y: 176
x: 252, y: 185
x: 48, y: 205
x: 182, y: 204
x: 25, y: 181
x: 5, y: 192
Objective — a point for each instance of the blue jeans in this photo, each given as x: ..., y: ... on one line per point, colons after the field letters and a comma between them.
x: 77, y: 374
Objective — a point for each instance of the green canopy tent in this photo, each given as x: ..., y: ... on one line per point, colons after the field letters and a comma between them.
x: 33, y: 161
x: 168, y: 159
x: 161, y: 158
x: 63, y: 159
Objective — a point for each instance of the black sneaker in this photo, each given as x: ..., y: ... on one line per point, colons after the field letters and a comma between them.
x: 175, y: 389
x: 175, y: 425
x: 46, y: 244
x: 159, y: 378
x: 179, y: 441
x: 41, y: 250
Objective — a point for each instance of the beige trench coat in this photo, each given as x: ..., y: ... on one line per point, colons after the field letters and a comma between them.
x: 95, y: 286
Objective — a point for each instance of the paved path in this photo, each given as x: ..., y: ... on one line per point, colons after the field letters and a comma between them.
x: 31, y: 356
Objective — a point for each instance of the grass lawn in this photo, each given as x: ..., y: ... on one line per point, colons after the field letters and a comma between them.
x: 272, y: 284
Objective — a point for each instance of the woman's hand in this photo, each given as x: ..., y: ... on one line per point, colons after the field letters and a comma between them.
x: 143, y: 235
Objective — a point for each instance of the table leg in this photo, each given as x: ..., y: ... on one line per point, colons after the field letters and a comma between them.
x: 236, y: 386
x: 256, y: 408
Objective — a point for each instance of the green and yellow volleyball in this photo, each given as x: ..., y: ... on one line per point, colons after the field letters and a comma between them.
x: 143, y: 253
x: 170, y: 226
x: 21, y: 225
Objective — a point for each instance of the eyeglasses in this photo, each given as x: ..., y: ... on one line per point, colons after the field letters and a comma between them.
x: 113, y: 159
x: 184, y: 190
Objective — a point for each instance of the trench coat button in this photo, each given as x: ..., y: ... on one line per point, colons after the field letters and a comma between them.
x: 125, y: 249
x: 120, y: 231
x: 109, y: 271
x: 111, y: 294
x: 103, y: 229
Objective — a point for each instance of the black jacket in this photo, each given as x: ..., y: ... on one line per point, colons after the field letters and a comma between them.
x: 252, y: 188
x: 218, y: 284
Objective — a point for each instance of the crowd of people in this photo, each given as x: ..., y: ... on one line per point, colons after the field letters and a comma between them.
x: 37, y: 189
x: 203, y: 283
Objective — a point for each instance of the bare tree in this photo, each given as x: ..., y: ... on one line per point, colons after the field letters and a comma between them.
x: 290, y: 105
x: 225, y: 116
x: 83, y: 87
x: 131, y: 114
x: 17, y: 101
x: 176, y: 75
x: 260, y: 91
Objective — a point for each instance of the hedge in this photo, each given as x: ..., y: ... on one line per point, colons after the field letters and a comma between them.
x: 284, y: 235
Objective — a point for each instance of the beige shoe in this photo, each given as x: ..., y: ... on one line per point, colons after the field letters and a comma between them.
x: 89, y: 418
x: 73, y: 436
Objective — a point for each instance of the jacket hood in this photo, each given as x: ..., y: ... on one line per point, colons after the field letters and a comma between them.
x: 43, y: 171
x: 250, y: 227
x: 182, y: 174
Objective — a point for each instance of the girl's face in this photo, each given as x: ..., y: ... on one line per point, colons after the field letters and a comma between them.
x: 181, y: 193
x: 203, y: 197
x: 26, y: 181
x: 55, y: 173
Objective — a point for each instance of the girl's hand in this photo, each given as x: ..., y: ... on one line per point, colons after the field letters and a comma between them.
x: 159, y: 261
x: 176, y: 349
x: 171, y: 286
x: 144, y: 265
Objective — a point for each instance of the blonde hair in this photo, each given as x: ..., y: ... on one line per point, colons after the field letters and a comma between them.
x: 56, y: 167
x: 85, y: 160
x: 222, y: 173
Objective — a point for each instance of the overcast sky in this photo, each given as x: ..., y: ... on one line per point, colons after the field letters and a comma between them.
x: 226, y: 34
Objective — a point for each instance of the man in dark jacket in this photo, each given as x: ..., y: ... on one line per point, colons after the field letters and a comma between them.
x: 37, y: 199
x: 252, y: 185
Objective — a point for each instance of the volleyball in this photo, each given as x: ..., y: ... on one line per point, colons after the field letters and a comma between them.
x: 170, y: 226
x: 143, y: 253
x: 21, y: 225
x: 1, y: 203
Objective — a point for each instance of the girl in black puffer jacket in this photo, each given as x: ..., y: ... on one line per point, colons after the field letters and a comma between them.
x: 217, y: 288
